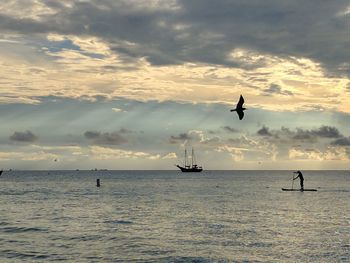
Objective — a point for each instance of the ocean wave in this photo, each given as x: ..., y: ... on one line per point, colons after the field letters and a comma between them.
x: 22, y: 229
x: 21, y: 255
x: 185, y: 260
x: 136, y: 219
x: 85, y: 238
x: 122, y: 222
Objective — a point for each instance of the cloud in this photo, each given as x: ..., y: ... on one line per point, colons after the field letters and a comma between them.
x: 322, y: 143
x: 341, y: 141
x: 179, y: 138
x: 212, y: 132
x: 327, y: 132
x: 276, y: 89
x: 322, y: 132
x: 117, y: 110
x: 305, y: 154
x: 194, y: 137
x: 92, y: 134
x: 175, y: 32
x: 230, y: 129
x: 91, y: 69
x: 35, y: 152
x: 264, y: 131
x: 27, y: 156
x: 124, y: 130
x: 329, y: 154
x: 213, y: 140
x: 104, y: 153
x: 170, y: 156
x: 300, y: 134
x: 236, y: 153
x: 106, y: 138
x: 26, y: 136
x: 245, y: 148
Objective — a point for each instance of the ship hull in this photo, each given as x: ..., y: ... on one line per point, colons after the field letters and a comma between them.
x: 189, y: 170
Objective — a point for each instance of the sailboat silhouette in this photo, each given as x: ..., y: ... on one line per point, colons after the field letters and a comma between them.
x: 192, y: 167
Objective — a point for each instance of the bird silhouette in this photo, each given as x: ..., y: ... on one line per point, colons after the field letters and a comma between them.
x: 239, y: 108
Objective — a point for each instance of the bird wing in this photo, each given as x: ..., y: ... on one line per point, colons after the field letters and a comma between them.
x: 240, y: 114
x: 240, y: 102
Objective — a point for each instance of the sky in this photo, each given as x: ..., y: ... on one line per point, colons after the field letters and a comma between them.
x: 129, y: 84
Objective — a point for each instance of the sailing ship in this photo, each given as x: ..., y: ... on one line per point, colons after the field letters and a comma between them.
x: 192, y: 167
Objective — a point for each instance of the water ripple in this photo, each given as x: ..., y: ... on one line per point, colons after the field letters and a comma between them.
x: 164, y: 216
x: 22, y: 229
x: 122, y: 222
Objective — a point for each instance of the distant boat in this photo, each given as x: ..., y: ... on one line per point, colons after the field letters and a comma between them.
x: 190, y: 168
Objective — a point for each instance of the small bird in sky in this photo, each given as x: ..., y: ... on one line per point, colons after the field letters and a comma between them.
x: 239, y: 108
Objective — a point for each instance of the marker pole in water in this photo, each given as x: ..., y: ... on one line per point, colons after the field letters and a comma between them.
x: 98, y: 183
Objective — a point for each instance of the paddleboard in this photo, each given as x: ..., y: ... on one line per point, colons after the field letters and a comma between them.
x: 289, y: 189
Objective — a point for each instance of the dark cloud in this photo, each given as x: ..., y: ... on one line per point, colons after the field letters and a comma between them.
x: 304, y: 135
x: 195, y: 137
x: 92, y: 134
x: 264, y: 131
x: 106, y: 138
x: 230, y: 129
x: 276, y: 89
x: 341, y: 142
x: 300, y: 134
x: 290, y: 28
x: 179, y: 138
x: 26, y: 136
x: 204, y: 31
x: 327, y: 132
x: 124, y: 130
x: 322, y: 132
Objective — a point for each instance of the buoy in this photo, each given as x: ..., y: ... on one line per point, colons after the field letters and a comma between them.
x: 98, y: 183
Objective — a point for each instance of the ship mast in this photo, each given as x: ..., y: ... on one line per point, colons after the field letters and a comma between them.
x: 185, y: 157
x: 192, y: 157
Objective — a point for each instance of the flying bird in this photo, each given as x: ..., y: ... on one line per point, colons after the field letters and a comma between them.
x: 239, y: 108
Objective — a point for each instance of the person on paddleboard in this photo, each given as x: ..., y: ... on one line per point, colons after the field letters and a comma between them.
x: 301, y: 178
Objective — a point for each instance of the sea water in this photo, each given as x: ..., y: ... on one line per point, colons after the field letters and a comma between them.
x: 169, y: 216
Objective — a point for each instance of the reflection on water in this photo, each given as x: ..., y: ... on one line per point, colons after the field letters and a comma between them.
x: 163, y: 216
